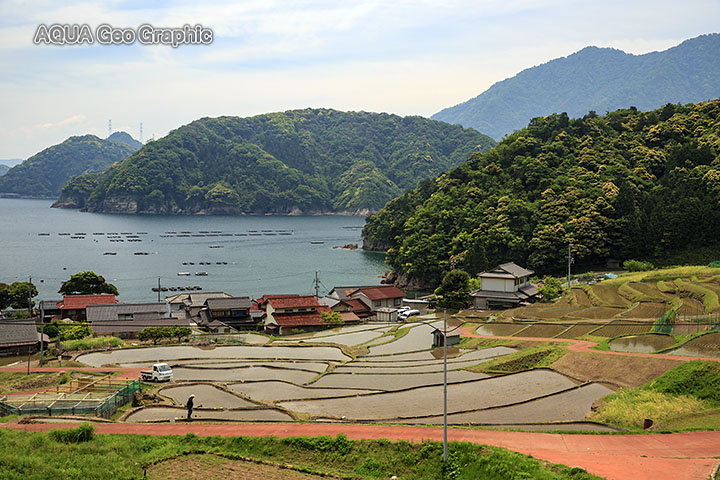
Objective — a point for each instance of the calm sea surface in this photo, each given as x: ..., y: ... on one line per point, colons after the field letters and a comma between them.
x: 249, y: 255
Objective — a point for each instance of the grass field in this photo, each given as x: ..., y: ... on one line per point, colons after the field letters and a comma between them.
x: 80, y: 454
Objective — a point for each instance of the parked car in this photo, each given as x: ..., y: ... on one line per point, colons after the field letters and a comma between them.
x: 407, y: 313
x: 161, y: 372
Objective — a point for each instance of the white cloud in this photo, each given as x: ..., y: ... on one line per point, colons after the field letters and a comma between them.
x: 65, y: 121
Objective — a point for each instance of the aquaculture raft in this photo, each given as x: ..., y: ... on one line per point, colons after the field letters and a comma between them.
x: 100, y: 397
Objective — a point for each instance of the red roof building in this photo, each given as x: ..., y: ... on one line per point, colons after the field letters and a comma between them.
x: 285, y: 313
x: 73, y: 306
x: 378, y: 296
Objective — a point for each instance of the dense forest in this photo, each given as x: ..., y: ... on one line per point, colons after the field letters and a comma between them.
x: 308, y: 161
x: 45, y: 173
x: 627, y: 185
x: 600, y: 79
x: 3, y: 169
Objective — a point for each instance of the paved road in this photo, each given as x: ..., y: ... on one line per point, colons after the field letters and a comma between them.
x: 677, y: 456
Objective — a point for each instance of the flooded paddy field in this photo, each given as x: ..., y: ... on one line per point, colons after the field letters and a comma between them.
x: 499, y: 329
x: 242, y: 374
x: 398, y: 380
x: 174, y: 353
x: 566, y: 406
x: 207, y: 396
x: 642, y: 343
x: 273, y: 390
x: 703, y: 346
x: 159, y: 414
x: 488, y: 392
x: 542, y: 330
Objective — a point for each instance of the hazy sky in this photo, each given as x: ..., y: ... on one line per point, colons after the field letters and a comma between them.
x: 404, y: 57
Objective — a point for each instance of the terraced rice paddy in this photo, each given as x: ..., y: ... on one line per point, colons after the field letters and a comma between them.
x: 500, y: 329
x: 642, y: 343
x: 597, y: 313
x: 691, y: 306
x: 581, y: 297
x: 649, y: 310
x: 577, y: 330
x: 650, y: 290
x: 622, y: 327
x: 549, y: 313
x: 704, y: 346
x: 400, y: 380
x: 609, y: 295
x: 542, y: 330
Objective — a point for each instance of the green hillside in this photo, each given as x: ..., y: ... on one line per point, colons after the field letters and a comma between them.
x: 625, y: 185
x: 3, y: 169
x: 45, y: 173
x: 600, y: 79
x: 308, y: 161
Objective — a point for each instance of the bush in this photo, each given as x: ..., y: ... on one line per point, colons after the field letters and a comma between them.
x: 91, y: 343
x: 83, y: 433
x: 550, y: 289
x: 637, y: 266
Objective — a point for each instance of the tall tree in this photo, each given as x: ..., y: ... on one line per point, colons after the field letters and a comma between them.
x: 87, y: 283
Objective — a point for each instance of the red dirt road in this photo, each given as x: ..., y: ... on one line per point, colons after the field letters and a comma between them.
x: 616, y: 457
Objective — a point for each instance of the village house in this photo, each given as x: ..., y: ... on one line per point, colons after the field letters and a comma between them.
x: 365, y: 301
x: 285, y: 314
x: 188, y: 305
x: 18, y: 337
x: 504, y: 286
x: 231, y: 311
x: 125, y: 320
x: 74, y: 307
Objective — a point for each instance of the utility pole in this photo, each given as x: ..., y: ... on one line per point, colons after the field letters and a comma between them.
x: 42, y: 332
x: 158, y: 286
x: 444, y: 385
x: 317, y: 285
x: 570, y: 261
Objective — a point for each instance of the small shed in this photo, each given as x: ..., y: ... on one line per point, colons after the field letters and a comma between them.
x: 453, y: 337
x: 386, y: 314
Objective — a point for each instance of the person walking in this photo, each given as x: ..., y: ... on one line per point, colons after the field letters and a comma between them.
x: 189, y: 405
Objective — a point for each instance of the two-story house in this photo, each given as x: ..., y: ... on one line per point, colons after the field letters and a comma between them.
x: 504, y: 286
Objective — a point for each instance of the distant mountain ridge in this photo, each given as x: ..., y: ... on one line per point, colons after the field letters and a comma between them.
x: 597, y: 79
x: 3, y: 169
x: 126, y: 138
x: 300, y: 161
x: 44, y: 174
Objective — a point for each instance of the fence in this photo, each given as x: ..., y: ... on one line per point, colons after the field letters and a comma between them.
x: 84, y: 396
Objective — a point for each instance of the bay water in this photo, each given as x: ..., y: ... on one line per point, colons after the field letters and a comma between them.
x: 241, y: 255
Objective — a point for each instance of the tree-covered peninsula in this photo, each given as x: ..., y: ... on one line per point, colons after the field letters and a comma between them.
x: 44, y: 174
x: 627, y: 185
x: 300, y: 161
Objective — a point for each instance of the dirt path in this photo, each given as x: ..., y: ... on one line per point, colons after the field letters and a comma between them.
x: 686, y: 456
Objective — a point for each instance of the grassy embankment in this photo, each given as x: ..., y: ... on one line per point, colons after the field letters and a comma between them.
x: 686, y: 397
x: 81, y: 454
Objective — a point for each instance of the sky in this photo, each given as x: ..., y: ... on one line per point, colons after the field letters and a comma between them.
x: 408, y: 57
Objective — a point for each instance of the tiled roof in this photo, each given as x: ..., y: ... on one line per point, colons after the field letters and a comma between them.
x: 199, y: 299
x: 240, y: 303
x: 382, y: 292
x: 507, y: 270
x: 262, y: 300
x: 17, y: 332
x: 75, y: 302
x: 356, y: 305
x: 349, y: 317
x: 294, y: 302
x: 99, y: 313
x: 293, y: 319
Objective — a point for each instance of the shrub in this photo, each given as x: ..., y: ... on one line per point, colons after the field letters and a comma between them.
x: 637, y: 266
x: 550, y: 289
x: 83, y: 433
x: 91, y: 343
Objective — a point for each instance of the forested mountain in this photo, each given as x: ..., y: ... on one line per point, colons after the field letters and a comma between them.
x: 595, y: 79
x: 627, y: 185
x: 126, y: 138
x: 3, y: 169
x: 45, y: 173
x: 309, y: 161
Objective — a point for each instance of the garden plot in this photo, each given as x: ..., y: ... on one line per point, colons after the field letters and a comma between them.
x: 704, y: 346
x: 542, y: 330
x: 499, y: 329
x: 150, y: 355
x: 159, y: 414
x: 391, y: 382
x: 206, y: 396
x: 577, y: 330
x: 351, y: 338
x: 242, y: 374
x: 622, y: 327
x: 426, y: 401
x: 567, y: 406
x: 272, y: 391
x: 418, y: 338
x: 642, y: 343
x: 289, y: 365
